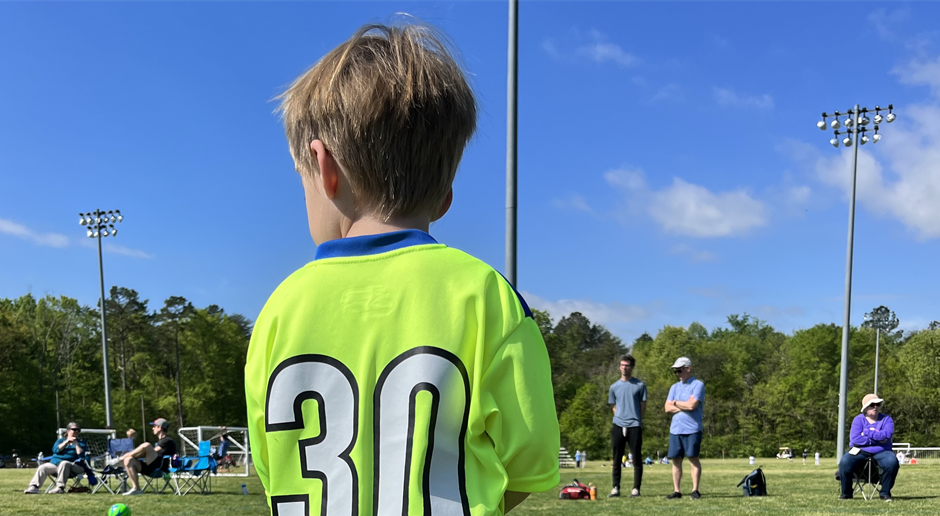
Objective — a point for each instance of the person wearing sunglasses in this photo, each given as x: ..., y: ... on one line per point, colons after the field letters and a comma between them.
x: 684, y: 402
x: 871, y: 436
x: 66, y: 452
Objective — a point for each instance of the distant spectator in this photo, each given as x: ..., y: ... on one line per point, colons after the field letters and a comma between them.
x: 65, y: 453
x: 577, y: 458
x: 685, y: 403
x: 870, y: 437
x: 148, y: 458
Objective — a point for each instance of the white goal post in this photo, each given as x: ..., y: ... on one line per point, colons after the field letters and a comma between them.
x: 917, y: 455
x: 97, y: 440
x: 191, y: 436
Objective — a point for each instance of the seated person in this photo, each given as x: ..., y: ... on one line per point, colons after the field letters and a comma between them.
x: 65, y: 453
x: 147, y: 458
x: 871, y: 433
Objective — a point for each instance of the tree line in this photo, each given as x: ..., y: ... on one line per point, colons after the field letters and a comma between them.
x: 765, y: 389
x: 176, y: 361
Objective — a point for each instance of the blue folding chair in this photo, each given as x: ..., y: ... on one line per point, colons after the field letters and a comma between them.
x: 150, y: 481
x: 195, y: 473
x: 115, y: 474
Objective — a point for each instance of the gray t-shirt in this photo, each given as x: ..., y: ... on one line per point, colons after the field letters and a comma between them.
x: 627, y: 397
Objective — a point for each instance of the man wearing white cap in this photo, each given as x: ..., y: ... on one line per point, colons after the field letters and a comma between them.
x: 684, y: 402
x: 871, y: 436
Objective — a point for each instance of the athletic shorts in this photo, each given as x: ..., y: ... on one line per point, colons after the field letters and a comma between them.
x: 685, y: 445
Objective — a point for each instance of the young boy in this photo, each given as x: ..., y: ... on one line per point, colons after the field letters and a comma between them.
x: 393, y: 375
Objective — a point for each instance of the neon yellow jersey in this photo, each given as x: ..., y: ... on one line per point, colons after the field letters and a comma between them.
x: 394, y: 375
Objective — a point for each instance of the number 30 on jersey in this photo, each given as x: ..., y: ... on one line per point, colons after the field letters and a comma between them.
x: 326, y: 457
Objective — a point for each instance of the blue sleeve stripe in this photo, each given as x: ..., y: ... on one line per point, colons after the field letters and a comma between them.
x: 525, y: 306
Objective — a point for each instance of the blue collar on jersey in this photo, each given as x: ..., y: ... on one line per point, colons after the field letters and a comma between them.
x: 372, y: 244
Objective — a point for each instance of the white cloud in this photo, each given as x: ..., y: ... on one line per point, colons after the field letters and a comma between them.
x: 688, y: 209
x: 44, y: 239
x: 885, y: 23
x: 598, y: 50
x: 598, y: 313
x: 694, y: 255
x: 920, y: 72
x: 693, y: 210
x: 120, y: 249
x: 576, y: 202
x: 668, y: 92
x: 728, y: 97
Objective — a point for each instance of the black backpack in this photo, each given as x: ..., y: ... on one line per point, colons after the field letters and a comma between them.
x: 754, y: 483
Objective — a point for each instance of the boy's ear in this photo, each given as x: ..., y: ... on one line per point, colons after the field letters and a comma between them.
x: 448, y: 200
x: 329, y: 168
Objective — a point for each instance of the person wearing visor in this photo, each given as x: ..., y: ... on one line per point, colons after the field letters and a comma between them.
x: 684, y: 402
x: 870, y: 436
x: 147, y: 458
x: 66, y: 452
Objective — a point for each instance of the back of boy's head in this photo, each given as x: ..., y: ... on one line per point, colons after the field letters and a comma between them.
x: 394, y: 109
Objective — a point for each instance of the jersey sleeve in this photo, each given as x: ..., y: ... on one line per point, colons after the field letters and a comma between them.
x: 256, y: 384
x: 522, y: 421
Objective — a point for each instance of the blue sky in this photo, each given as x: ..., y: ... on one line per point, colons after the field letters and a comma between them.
x: 670, y: 169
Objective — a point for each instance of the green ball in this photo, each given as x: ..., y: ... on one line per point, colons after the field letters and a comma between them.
x: 119, y: 509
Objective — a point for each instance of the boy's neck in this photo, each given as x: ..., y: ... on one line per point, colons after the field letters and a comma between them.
x: 370, y: 226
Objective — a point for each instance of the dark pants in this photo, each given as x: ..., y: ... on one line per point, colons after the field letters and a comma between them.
x: 634, y: 439
x: 885, y: 459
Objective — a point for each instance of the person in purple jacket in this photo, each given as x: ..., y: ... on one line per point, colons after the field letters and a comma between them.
x: 871, y: 434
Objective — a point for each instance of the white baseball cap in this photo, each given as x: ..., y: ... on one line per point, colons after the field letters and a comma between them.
x: 682, y: 362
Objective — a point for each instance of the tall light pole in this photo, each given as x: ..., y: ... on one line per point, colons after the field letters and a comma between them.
x: 881, y: 319
x: 856, y: 125
x: 512, y: 96
x: 101, y: 224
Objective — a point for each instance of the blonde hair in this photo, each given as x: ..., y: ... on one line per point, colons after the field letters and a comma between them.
x: 393, y: 108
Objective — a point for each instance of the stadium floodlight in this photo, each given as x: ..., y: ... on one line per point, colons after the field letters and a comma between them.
x: 99, y: 224
x: 858, y: 117
x: 821, y: 125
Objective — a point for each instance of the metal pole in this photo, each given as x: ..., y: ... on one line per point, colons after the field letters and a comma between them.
x: 877, y: 345
x: 844, y: 369
x: 512, y: 95
x: 104, y: 337
x: 143, y: 418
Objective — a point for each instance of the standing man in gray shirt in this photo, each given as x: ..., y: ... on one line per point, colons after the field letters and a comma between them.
x: 627, y: 397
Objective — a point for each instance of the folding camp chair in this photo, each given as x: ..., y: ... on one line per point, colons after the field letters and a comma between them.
x: 153, y: 479
x: 867, y: 478
x: 73, y: 482
x: 115, y: 474
x: 195, y: 473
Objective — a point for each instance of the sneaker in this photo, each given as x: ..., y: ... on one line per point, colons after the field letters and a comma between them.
x: 134, y: 492
x: 614, y: 493
x: 845, y: 497
x: 635, y: 493
x: 116, y: 462
x: 674, y: 496
x: 32, y: 490
x: 886, y: 498
x: 696, y: 495
x: 57, y: 490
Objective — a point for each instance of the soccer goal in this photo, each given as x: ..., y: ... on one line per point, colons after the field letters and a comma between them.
x: 97, y: 440
x: 917, y: 455
x: 236, y: 465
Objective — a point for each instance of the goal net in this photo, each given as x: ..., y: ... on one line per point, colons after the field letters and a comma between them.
x: 235, y: 464
x: 97, y: 440
x: 916, y: 455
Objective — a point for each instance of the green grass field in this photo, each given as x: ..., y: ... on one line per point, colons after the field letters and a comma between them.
x: 794, y: 489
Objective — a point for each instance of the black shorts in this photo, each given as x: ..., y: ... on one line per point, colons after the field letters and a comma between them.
x: 146, y: 469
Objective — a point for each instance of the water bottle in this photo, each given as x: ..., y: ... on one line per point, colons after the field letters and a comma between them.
x: 244, y: 489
